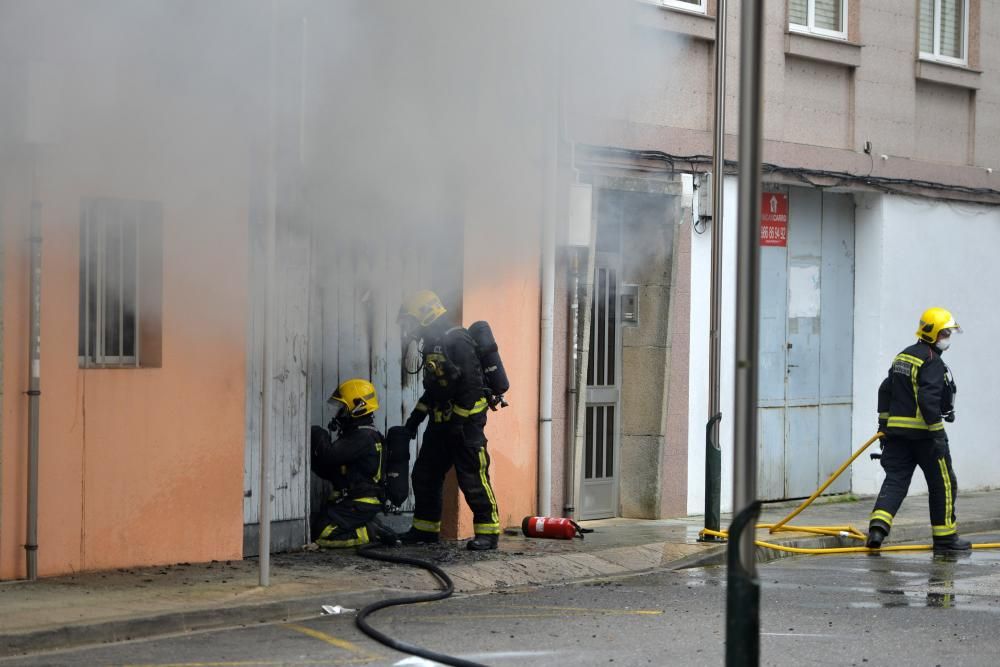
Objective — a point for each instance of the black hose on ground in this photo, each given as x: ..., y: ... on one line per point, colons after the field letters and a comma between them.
x: 448, y: 589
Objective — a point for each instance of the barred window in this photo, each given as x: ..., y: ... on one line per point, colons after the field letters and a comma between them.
x: 944, y: 26
x: 120, y: 283
x: 821, y: 17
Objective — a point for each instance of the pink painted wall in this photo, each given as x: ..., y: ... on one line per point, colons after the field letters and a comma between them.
x: 138, y: 466
x: 502, y: 284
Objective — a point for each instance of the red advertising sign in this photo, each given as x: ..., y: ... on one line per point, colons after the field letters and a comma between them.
x: 774, y: 219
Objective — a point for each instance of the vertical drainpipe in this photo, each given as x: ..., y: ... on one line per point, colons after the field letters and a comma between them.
x: 548, y: 305
x: 34, y: 374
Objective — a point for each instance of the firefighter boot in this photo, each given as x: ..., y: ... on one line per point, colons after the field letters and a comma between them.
x: 482, y: 543
x: 951, y: 543
x: 415, y: 536
x: 875, y: 536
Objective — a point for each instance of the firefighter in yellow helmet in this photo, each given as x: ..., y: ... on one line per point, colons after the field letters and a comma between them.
x: 915, y: 400
x: 353, y: 464
x: 454, y: 397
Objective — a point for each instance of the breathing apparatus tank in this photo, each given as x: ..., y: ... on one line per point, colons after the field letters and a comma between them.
x: 397, y: 465
x: 494, y: 374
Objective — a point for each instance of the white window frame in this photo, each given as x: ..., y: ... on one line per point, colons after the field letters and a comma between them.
x: 811, y: 28
x: 699, y: 7
x: 936, y: 55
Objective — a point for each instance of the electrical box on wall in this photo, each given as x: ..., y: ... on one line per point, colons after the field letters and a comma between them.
x: 705, y: 194
x: 581, y: 206
x: 630, y: 305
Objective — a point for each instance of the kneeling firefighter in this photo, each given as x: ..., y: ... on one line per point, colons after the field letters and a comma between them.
x: 354, y: 464
x: 455, y: 398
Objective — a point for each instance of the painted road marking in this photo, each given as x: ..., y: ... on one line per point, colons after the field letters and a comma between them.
x: 333, y: 641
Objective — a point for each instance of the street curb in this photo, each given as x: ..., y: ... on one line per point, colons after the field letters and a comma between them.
x: 158, y: 625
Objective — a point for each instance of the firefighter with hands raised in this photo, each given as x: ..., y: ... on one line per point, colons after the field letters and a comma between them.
x: 455, y: 400
x: 354, y: 465
x: 915, y: 400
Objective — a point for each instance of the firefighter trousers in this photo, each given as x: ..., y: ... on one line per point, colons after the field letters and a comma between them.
x: 345, y: 522
x: 899, y: 458
x: 463, y: 446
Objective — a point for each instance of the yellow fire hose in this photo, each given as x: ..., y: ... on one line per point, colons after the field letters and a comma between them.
x: 835, y: 531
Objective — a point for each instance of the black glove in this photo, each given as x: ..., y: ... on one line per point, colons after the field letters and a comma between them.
x: 413, y: 422
x: 949, y: 416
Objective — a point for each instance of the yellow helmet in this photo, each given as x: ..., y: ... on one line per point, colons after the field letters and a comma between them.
x: 934, y: 321
x: 358, y: 397
x: 424, y: 306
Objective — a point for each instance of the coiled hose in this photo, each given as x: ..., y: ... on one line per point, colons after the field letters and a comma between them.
x: 361, y: 620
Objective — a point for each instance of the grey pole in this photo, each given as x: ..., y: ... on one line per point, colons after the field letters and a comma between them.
x: 743, y: 592
x: 264, y: 500
x: 713, y: 454
x: 34, y: 374
x: 747, y: 267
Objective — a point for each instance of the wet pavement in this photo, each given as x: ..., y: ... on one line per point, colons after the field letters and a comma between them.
x: 910, y: 608
x: 145, y: 602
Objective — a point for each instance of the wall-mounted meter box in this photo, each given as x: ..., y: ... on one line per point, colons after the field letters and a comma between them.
x: 704, y: 194
x: 581, y: 208
x: 630, y: 305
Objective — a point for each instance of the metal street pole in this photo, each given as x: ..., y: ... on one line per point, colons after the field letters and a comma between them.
x: 713, y: 452
x: 270, y: 223
x: 743, y: 590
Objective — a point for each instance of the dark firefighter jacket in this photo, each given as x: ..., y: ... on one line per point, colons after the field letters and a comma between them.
x: 352, y: 462
x: 917, y: 393
x: 453, y: 375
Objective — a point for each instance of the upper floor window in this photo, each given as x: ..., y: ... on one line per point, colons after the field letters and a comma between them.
x: 944, y: 30
x: 818, y: 17
x: 700, y: 6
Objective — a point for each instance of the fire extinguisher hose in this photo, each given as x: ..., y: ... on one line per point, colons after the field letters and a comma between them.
x: 361, y: 620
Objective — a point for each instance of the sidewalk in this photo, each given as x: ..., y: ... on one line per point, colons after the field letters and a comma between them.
x: 123, y: 604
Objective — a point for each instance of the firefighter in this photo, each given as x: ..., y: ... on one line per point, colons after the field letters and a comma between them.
x: 455, y: 400
x: 353, y: 463
x: 915, y: 400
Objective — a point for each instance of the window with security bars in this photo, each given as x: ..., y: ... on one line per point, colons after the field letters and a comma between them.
x: 944, y: 26
x: 819, y: 17
x: 700, y: 6
x: 120, y: 283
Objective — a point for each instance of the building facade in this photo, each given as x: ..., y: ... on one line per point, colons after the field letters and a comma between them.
x: 540, y: 165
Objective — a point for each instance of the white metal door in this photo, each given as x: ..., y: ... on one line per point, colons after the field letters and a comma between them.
x: 806, y: 331
x: 599, y: 486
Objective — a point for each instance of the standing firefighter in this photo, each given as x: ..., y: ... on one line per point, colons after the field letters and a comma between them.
x: 915, y: 401
x: 353, y: 463
x: 455, y: 398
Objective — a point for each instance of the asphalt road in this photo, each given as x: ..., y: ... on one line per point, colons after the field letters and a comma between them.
x: 898, y: 609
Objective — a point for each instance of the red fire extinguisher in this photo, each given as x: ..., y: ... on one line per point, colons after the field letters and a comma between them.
x: 553, y: 528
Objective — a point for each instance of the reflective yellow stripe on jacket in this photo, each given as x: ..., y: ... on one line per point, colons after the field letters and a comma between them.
x: 478, y: 407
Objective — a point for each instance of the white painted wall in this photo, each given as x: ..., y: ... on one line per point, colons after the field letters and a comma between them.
x: 913, y: 254
x: 701, y: 281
